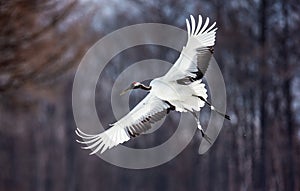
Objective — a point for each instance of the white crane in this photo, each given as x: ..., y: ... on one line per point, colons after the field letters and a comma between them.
x: 180, y: 89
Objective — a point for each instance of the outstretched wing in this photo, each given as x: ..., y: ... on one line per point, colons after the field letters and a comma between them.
x: 151, y: 109
x: 195, y: 56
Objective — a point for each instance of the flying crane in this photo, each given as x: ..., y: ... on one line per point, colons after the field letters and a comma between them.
x: 180, y: 89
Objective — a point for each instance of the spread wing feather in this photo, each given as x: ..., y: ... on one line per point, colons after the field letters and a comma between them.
x: 195, y: 56
x: 150, y: 110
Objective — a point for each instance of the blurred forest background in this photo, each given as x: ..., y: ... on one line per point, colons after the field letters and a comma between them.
x: 257, y: 49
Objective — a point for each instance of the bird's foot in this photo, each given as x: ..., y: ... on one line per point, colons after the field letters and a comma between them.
x: 205, y: 136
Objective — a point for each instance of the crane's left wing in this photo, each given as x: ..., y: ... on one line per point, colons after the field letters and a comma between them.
x: 150, y: 110
x: 195, y: 56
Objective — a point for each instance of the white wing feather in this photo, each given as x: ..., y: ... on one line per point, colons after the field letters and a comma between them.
x: 199, y: 38
x: 137, y: 121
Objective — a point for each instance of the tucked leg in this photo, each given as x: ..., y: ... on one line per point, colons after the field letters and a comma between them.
x: 213, y: 108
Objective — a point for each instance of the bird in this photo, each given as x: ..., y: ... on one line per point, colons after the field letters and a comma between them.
x: 181, y: 89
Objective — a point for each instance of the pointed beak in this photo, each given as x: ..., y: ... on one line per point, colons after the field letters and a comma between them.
x: 125, y: 91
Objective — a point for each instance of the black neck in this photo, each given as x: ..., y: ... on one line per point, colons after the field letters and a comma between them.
x: 142, y: 86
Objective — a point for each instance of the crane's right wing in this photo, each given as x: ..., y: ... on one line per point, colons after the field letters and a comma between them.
x: 195, y: 56
x: 150, y: 110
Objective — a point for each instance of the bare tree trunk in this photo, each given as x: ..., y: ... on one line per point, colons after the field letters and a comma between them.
x: 260, y: 175
x: 33, y: 143
x: 288, y: 100
x: 70, y: 137
x: 252, y: 140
